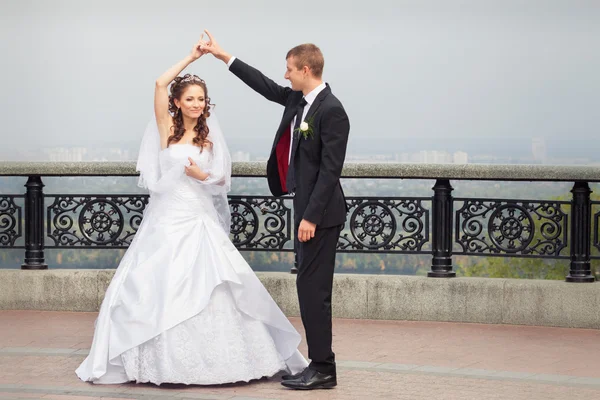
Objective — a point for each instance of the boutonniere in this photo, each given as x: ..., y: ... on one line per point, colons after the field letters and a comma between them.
x: 306, y: 128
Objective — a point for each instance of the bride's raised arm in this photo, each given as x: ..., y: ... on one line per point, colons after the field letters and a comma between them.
x: 161, y: 93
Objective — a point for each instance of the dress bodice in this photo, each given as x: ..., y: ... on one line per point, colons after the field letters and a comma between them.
x: 173, y: 160
x: 177, y: 154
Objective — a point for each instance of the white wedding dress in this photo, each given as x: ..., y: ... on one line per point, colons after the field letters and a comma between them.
x: 183, y: 305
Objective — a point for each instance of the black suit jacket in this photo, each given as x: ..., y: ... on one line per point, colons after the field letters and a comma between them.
x: 318, y: 160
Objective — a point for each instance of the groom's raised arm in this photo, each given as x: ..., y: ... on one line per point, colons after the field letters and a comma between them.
x: 251, y: 76
x: 259, y: 82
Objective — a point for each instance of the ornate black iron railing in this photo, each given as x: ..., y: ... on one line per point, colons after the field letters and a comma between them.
x: 439, y: 225
x: 385, y: 225
x: 260, y: 222
x: 530, y: 228
x: 93, y: 221
x: 11, y: 220
x: 596, y: 224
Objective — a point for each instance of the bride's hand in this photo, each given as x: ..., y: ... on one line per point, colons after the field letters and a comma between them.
x: 197, y: 51
x: 194, y: 171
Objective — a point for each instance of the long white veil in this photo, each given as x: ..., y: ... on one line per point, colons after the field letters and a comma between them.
x: 218, y: 182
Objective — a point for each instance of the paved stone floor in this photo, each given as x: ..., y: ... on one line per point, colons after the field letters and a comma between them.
x: 39, y: 352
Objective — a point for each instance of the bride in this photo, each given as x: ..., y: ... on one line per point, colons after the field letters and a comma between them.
x: 183, y: 305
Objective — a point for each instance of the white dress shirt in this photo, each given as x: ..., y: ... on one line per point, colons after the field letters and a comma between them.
x: 310, y: 98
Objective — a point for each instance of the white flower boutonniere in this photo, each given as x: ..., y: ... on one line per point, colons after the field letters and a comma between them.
x: 306, y: 129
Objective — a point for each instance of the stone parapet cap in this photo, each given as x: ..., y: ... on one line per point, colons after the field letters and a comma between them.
x: 490, y: 172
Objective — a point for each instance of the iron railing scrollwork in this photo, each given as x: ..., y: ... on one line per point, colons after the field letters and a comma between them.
x: 11, y: 221
x: 94, y: 220
x: 512, y: 227
x: 260, y: 223
x: 596, y: 224
x: 385, y: 225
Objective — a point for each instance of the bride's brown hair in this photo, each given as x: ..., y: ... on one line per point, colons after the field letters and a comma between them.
x: 179, y: 85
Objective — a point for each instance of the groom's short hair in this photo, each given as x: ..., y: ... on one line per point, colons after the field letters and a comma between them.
x: 310, y: 55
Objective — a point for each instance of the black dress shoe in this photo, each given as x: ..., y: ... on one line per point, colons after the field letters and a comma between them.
x: 293, y: 376
x: 311, y: 379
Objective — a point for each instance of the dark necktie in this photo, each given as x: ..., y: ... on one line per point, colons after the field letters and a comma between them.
x: 290, y: 181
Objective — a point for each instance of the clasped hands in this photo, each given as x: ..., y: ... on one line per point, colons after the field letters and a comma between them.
x: 211, y: 46
x: 203, y: 47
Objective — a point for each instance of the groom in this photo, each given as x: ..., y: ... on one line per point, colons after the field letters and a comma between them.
x: 306, y: 161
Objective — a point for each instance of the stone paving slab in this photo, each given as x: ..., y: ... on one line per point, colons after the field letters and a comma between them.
x: 39, y: 352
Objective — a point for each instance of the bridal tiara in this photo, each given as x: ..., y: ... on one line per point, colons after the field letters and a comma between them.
x: 192, y: 78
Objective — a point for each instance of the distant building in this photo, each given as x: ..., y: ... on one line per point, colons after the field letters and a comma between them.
x: 434, y: 157
x: 402, y: 158
x: 64, y: 154
x: 538, y: 149
x: 118, y: 154
x: 460, y: 157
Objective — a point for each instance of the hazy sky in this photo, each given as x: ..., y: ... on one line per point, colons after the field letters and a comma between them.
x: 436, y: 72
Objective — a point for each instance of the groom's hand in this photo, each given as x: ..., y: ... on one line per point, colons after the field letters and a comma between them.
x: 213, y: 48
x: 306, y: 231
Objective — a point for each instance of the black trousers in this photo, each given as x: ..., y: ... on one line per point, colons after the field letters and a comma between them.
x: 316, y: 262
